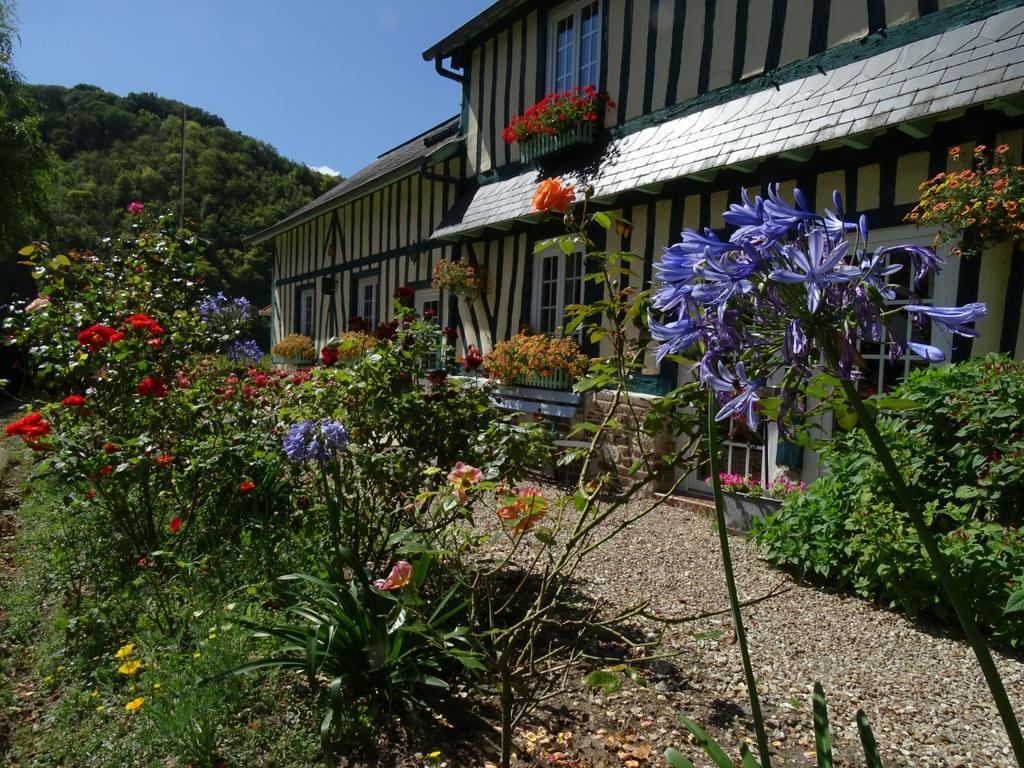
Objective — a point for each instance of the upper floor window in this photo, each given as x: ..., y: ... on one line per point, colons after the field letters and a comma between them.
x: 576, y: 46
x: 559, y: 284
x: 307, y: 304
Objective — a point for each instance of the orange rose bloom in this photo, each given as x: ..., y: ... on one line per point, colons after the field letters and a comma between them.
x: 552, y: 196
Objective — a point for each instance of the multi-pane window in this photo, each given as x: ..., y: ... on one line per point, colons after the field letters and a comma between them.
x: 576, y: 44
x: 367, y: 301
x: 880, y: 372
x: 559, y: 284
x: 307, y: 306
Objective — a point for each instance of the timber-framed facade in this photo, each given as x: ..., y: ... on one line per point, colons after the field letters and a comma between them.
x: 863, y: 96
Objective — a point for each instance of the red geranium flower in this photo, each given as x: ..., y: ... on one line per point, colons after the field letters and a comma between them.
x: 104, y: 471
x: 245, y: 486
x: 109, y: 448
x: 90, y: 494
x: 73, y: 401
x: 164, y: 460
x: 175, y: 524
x: 98, y: 336
x: 151, y: 387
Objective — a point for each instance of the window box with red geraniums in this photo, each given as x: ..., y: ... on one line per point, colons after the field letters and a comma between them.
x: 974, y: 206
x: 538, y: 361
x: 458, y: 278
x: 556, y: 122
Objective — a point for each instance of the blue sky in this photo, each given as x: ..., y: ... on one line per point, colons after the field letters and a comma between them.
x: 327, y: 82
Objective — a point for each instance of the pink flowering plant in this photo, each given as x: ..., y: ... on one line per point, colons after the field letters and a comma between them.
x: 780, y: 488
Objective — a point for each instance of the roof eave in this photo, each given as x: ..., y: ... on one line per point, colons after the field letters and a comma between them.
x: 407, y: 169
x: 479, y: 24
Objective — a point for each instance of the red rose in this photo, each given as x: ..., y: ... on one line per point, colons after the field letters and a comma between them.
x: 98, y: 336
x: 329, y: 356
x: 73, y: 401
x: 109, y: 448
x: 90, y: 494
x: 437, y: 378
x: 151, y: 387
x: 245, y: 486
x: 405, y: 294
x: 175, y: 524
x: 104, y: 471
x: 145, y: 323
x: 165, y: 460
x: 29, y: 427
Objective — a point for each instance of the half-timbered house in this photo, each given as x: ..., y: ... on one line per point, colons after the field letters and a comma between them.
x: 863, y: 96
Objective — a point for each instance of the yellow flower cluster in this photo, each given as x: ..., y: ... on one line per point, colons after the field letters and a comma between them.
x: 353, y: 344
x: 538, y: 355
x: 295, y: 346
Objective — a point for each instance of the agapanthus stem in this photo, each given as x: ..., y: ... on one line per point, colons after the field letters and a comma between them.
x: 949, y: 583
x: 730, y: 583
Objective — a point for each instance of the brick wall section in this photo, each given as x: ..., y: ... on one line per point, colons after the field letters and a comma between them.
x: 621, y: 448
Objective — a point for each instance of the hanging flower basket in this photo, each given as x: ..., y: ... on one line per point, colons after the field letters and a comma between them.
x: 459, y: 278
x: 545, y: 145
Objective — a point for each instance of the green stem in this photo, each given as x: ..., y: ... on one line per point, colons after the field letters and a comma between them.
x: 949, y: 584
x: 730, y: 583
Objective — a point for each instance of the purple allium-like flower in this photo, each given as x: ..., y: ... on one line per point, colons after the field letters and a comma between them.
x: 320, y: 441
x: 247, y: 349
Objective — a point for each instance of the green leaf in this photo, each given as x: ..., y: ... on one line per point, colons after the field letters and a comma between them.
x: 1016, y: 602
x: 603, y: 219
x: 545, y: 535
x: 28, y: 250
x: 676, y: 759
x: 567, y: 246
x: 822, y: 735
x: 967, y: 492
x: 709, y: 745
x: 897, y: 404
x: 867, y: 739
x: 604, y: 680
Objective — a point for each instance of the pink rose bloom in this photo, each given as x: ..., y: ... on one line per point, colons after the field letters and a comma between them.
x: 400, y: 575
x: 134, y: 208
x: 465, y: 473
x: 37, y: 304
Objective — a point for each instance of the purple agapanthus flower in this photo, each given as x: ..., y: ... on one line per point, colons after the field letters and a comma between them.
x: 817, y: 266
x: 952, y: 319
x: 676, y: 336
x: 315, y: 441
x: 247, y: 349
x: 734, y: 302
x: 745, y: 402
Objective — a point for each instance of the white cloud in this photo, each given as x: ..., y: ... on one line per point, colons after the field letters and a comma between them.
x: 326, y: 170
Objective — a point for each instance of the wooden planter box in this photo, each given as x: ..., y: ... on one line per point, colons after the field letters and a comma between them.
x: 536, y: 147
x: 292, y: 363
x: 558, y: 381
x: 741, y: 510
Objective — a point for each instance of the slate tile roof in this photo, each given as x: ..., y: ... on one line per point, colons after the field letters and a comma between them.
x: 961, y: 67
x: 401, y: 157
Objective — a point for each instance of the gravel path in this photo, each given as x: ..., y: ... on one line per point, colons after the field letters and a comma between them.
x: 921, y: 689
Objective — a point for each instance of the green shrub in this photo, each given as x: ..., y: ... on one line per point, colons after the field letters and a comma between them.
x: 961, y: 450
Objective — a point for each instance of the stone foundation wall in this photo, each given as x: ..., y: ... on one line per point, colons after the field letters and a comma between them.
x: 621, y: 448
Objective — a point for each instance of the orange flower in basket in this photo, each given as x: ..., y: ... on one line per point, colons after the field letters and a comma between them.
x: 551, y: 195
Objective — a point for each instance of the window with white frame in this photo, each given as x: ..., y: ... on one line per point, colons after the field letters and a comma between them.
x: 576, y: 45
x: 367, y: 300
x: 558, y: 283
x: 880, y: 372
x: 307, y: 309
